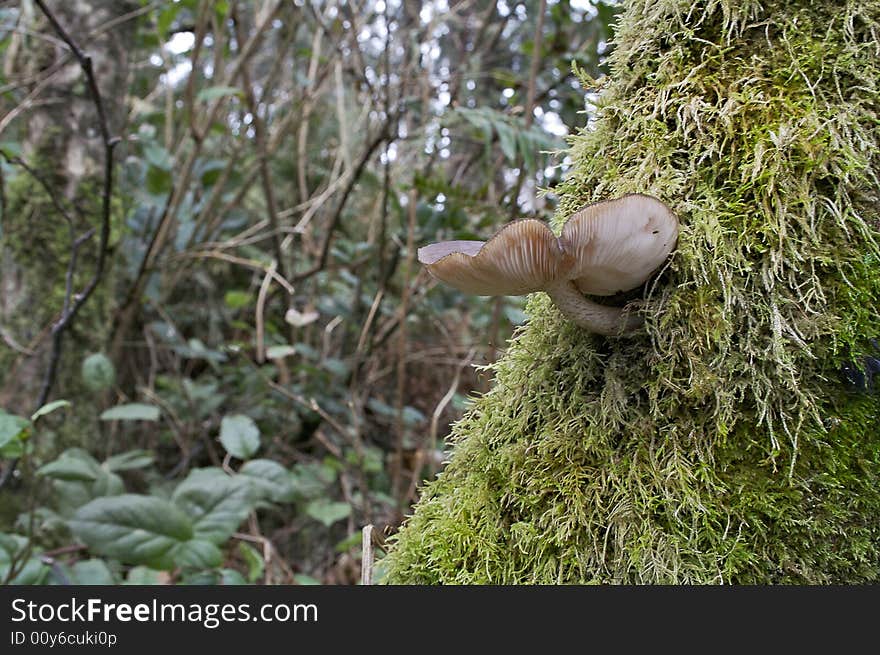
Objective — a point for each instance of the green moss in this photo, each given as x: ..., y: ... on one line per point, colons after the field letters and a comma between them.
x: 36, y: 239
x: 722, y: 445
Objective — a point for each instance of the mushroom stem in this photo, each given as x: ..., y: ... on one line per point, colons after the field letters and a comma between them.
x: 583, y: 312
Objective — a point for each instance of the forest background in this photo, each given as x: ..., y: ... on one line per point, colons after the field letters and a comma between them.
x: 219, y: 356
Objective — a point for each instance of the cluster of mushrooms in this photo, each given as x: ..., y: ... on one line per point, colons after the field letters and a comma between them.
x: 605, y: 248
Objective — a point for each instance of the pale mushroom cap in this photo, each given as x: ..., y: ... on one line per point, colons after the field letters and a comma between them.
x: 523, y: 257
x: 616, y: 245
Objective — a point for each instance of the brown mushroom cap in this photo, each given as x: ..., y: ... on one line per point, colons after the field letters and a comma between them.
x: 615, y: 245
x: 523, y: 257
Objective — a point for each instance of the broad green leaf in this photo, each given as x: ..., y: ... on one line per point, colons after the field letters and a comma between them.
x: 303, y: 579
x: 205, y: 396
x: 349, y: 542
x: 34, y: 572
x: 412, y: 416
x: 214, y: 92
x: 231, y: 577
x: 132, y: 528
x: 165, y: 17
x: 143, y: 575
x: 91, y: 572
x: 270, y: 480
x: 507, y: 139
x: 216, y: 504
x: 11, y: 427
x: 131, y: 412
x: 311, y: 479
x: 10, y: 546
x: 157, y: 156
x: 328, y: 512
x: 307, y: 351
x: 108, y: 484
x: 48, y: 408
x: 197, y: 554
x: 133, y: 459
x: 12, y: 449
x: 253, y: 559
x: 336, y: 366
x: 237, y: 299
x: 72, y: 465
x: 240, y: 436
x: 158, y: 181
x: 196, y: 349
x: 98, y: 372
x: 380, y: 407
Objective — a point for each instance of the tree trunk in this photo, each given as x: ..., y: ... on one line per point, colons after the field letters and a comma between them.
x: 61, y: 142
x: 723, y: 445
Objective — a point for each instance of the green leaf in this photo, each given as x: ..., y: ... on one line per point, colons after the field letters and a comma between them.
x: 166, y: 17
x: 231, y: 577
x: 133, y: 459
x: 240, y: 436
x: 11, y: 427
x: 328, y: 512
x: 336, y: 366
x: 91, y: 572
x: 311, y: 479
x: 131, y: 412
x: 507, y: 139
x: 132, y: 528
x: 214, y: 92
x: 12, y: 449
x: 11, y: 545
x: 157, y: 156
x: 269, y: 479
x: 196, y: 349
x: 72, y: 464
x: 98, y: 372
x: 412, y: 416
x: 253, y: 559
x: 142, y: 575
x: 49, y: 408
x: 196, y: 554
x: 158, y: 181
x: 237, y: 299
x: 304, y: 579
x: 216, y: 503
x: 108, y: 484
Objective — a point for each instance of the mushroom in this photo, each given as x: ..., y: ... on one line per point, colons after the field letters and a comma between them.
x: 605, y: 248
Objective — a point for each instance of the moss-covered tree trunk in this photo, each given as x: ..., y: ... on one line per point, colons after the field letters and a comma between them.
x: 59, y: 139
x: 723, y: 444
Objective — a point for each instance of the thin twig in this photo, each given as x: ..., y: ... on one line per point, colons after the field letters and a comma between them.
x: 337, y: 215
x: 262, y: 153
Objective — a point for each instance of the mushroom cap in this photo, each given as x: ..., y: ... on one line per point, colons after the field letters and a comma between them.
x: 606, y: 247
x: 615, y: 245
x: 523, y: 257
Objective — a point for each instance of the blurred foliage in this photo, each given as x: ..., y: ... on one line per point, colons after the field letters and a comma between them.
x: 274, y: 370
